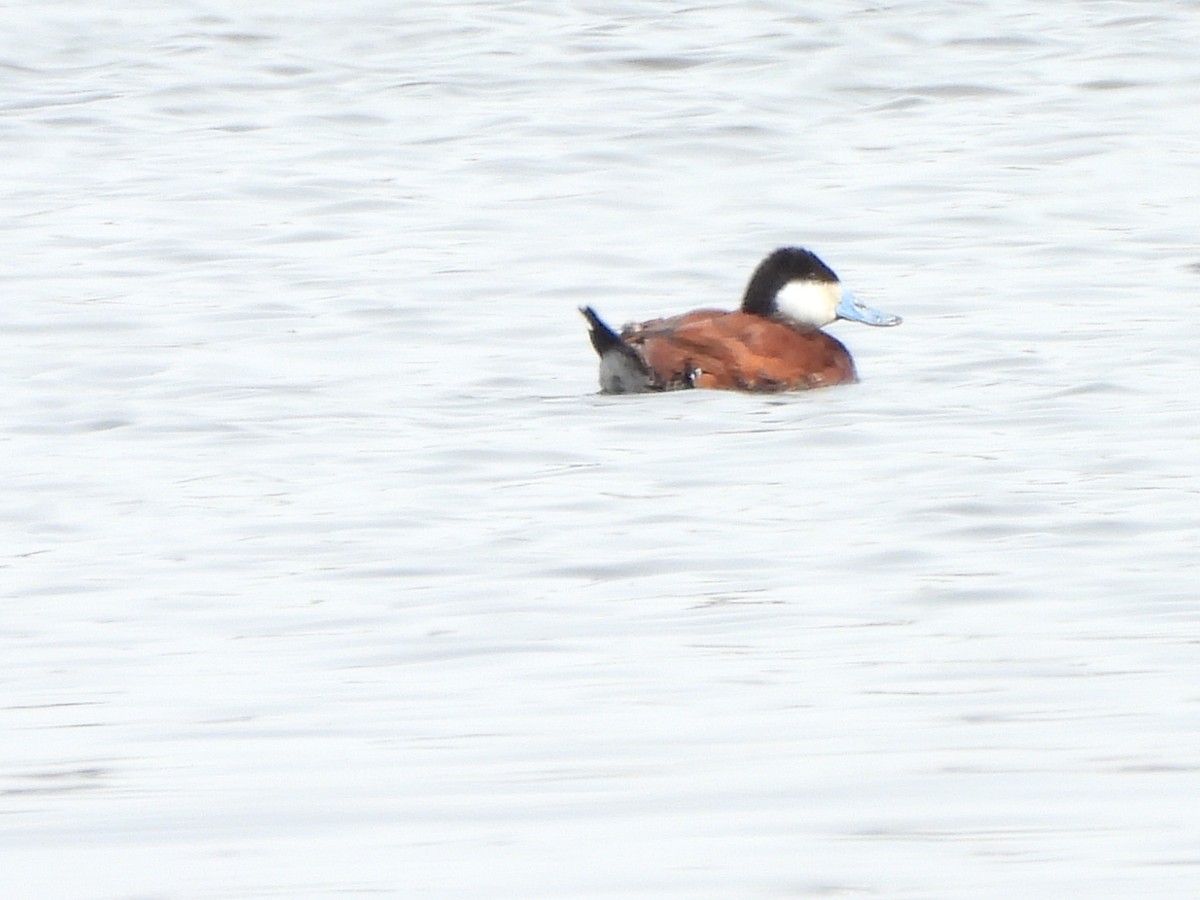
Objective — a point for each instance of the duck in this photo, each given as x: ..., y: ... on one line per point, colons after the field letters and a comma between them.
x: 772, y: 343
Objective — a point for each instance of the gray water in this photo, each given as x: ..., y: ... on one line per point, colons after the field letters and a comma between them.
x: 327, y: 572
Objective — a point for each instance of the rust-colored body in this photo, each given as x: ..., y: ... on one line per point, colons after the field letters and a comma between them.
x: 740, y: 351
x: 773, y: 343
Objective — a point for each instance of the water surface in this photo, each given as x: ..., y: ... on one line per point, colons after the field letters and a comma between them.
x: 326, y: 571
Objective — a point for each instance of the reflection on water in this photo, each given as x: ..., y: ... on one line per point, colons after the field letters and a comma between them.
x: 329, y: 571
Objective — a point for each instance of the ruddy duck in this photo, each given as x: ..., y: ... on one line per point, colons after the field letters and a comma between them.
x: 773, y: 343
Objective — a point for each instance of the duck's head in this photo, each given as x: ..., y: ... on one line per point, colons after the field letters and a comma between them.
x: 793, y: 284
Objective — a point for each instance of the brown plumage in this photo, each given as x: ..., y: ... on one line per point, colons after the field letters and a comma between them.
x: 712, y: 348
x: 773, y: 343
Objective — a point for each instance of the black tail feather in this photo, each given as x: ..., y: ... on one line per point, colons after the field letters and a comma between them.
x: 622, y: 370
x: 603, y: 337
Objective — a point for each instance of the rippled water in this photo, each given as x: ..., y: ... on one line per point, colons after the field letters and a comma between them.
x: 327, y: 572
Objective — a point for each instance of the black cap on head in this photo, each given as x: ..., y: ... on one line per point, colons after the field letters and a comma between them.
x: 784, y: 265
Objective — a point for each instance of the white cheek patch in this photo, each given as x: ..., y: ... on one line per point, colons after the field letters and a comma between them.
x: 810, y: 303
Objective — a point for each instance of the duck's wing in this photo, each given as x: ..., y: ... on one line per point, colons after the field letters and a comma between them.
x: 739, y: 351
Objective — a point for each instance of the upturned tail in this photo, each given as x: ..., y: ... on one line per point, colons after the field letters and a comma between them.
x: 622, y: 370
